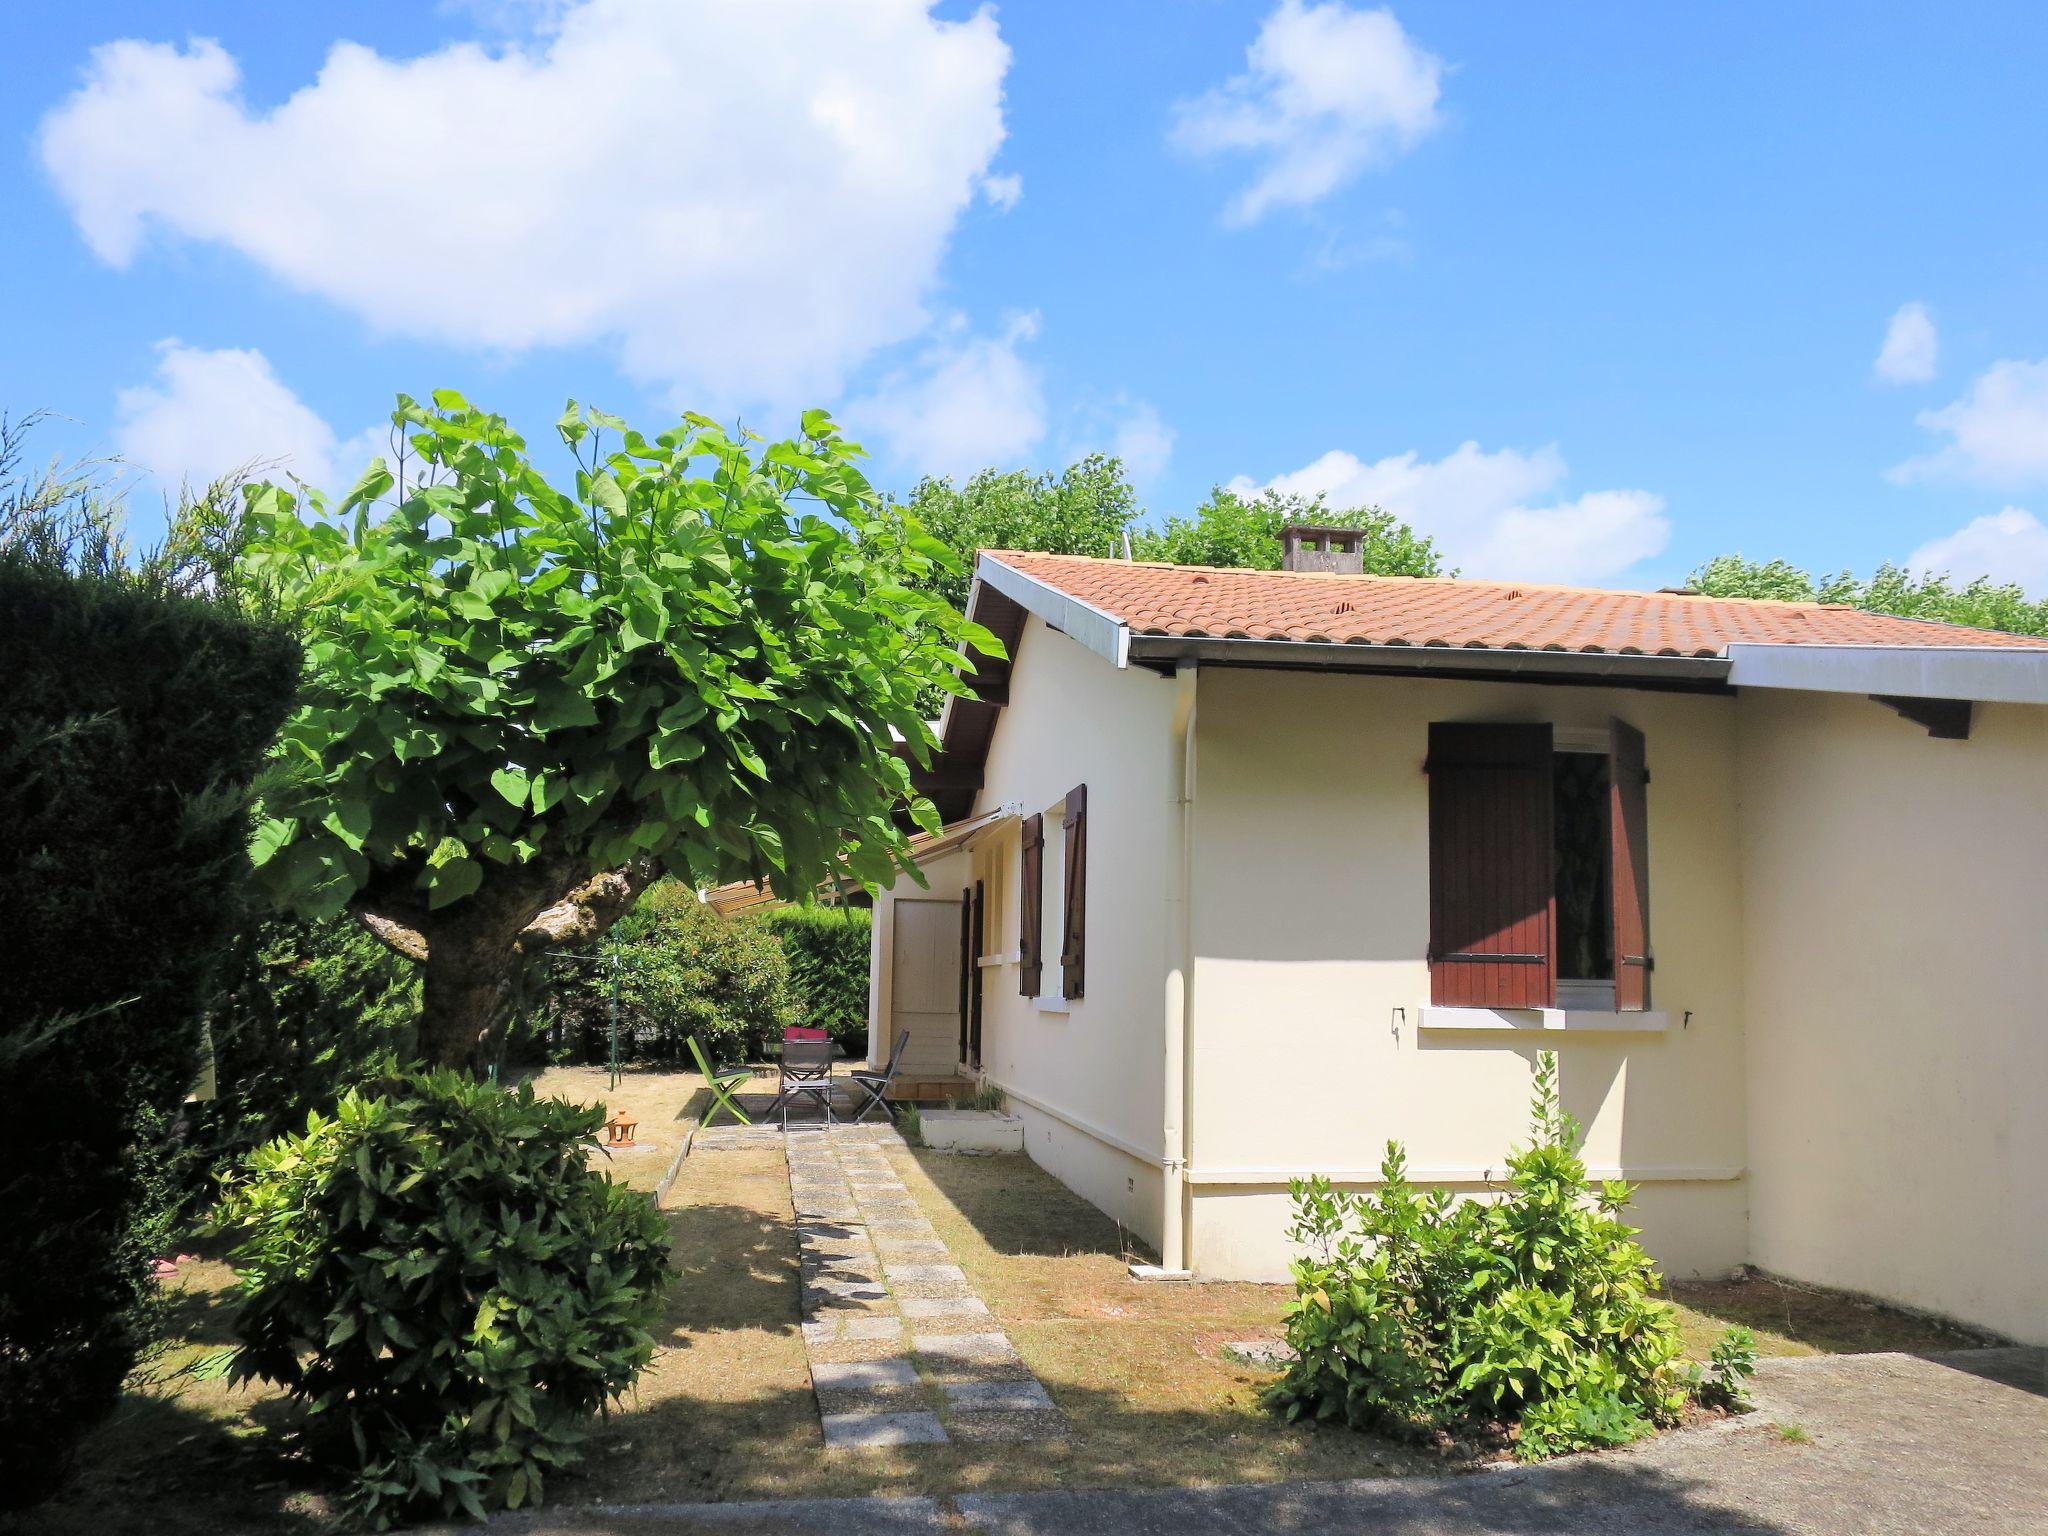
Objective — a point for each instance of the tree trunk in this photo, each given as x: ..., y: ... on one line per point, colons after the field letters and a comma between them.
x: 471, y: 953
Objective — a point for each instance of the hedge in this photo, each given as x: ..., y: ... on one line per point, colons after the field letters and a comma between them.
x: 828, y: 961
x: 131, y: 722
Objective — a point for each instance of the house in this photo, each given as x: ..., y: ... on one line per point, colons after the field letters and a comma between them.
x: 1246, y: 873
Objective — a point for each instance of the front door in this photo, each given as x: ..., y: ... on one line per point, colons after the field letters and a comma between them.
x: 925, y: 977
x: 976, y: 946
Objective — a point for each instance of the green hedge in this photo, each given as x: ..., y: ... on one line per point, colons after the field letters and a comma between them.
x: 131, y: 723
x: 828, y: 961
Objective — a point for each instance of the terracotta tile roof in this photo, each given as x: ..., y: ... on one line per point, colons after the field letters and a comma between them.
x: 1189, y: 600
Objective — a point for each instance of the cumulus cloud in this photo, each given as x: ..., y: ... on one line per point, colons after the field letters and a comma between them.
x: 1327, y: 92
x: 743, y: 200
x: 966, y: 403
x: 1911, y: 346
x: 1143, y: 441
x: 208, y: 412
x: 1494, y: 513
x: 1997, y: 433
x: 2011, y: 545
x: 1003, y: 191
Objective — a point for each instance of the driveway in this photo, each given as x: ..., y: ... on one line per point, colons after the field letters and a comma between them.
x: 1945, y: 1443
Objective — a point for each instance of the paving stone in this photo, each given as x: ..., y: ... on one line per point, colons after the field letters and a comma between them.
x: 1007, y: 1396
x: 982, y: 1428
x: 948, y: 1275
x: 873, y: 1325
x: 902, y: 1229
x: 864, y: 1375
x: 909, y: 1249
x: 853, y: 1431
x: 932, y: 1309
x: 988, y: 1347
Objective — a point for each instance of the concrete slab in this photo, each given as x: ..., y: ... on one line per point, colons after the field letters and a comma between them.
x: 925, y: 1274
x: 926, y: 1309
x: 1007, y: 1396
x: 856, y: 1431
x: 863, y: 1375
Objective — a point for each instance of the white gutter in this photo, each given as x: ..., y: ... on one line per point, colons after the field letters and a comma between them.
x: 1992, y: 674
x: 1097, y: 628
x: 1180, y: 986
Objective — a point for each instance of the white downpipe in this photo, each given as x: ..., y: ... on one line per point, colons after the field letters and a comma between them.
x: 1180, y: 981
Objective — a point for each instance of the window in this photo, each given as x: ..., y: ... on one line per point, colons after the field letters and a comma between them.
x: 1052, y: 896
x: 1538, y: 868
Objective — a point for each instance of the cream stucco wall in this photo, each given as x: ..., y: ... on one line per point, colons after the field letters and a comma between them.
x: 1311, y: 922
x: 1897, y: 970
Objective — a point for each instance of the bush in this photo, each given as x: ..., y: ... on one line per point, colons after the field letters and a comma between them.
x: 446, y: 1287
x: 131, y: 721
x: 1533, y: 1316
x: 683, y: 970
x: 828, y: 960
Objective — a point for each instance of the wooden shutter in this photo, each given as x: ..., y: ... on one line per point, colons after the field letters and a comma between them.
x: 967, y: 966
x: 1492, y: 907
x: 1030, y: 905
x: 1074, y: 920
x: 1628, y: 775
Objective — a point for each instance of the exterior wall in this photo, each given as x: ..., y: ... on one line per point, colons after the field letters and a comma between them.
x: 1086, y: 1076
x: 1898, y: 983
x: 1310, y: 897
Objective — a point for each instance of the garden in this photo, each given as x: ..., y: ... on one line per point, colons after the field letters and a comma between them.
x: 358, y: 849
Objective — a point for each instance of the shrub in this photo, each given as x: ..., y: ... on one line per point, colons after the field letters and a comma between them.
x: 1534, y: 1314
x: 828, y: 960
x: 683, y: 970
x: 131, y: 721
x: 446, y: 1287
x: 1729, y: 1369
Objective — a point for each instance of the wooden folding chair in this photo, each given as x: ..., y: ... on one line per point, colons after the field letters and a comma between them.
x: 721, y: 1084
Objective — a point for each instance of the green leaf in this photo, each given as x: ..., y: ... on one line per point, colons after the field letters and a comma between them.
x: 513, y: 784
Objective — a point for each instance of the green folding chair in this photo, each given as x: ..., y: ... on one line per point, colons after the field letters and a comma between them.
x: 721, y: 1085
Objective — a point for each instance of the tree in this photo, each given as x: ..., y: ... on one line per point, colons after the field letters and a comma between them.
x: 1230, y: 529
x: 1085, y: 510
x: 522, y: 704
x: 1981, y: 604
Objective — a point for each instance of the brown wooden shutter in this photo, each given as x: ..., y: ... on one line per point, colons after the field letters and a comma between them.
x: 1492, y: 907
x: 967, y: 967
x: 1030, y: 905
x: 1074, y: 923
x: 1628, y: 776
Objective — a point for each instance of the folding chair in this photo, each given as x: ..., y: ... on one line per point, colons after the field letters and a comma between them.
x: 806, y: 1073
x: 876, y: 1084
x: 721, y: 1085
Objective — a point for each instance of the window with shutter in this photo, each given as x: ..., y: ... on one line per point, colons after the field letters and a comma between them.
x: 1628, y: 778
x: 1030, y: 904
x: 1074, y: 913
x: 1492, y: 902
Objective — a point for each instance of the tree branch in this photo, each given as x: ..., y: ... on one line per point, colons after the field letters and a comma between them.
x: 405, y: 940
x: 588, y: 910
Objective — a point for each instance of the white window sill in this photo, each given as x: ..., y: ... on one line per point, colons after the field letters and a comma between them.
x: 1647, y: 1022
x: 1052, y: 1004
x: 990, y: 962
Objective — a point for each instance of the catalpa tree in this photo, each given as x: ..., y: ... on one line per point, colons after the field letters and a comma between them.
x: 522, y: 704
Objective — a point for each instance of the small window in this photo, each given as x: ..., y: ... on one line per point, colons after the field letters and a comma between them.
x: 1582, y: 868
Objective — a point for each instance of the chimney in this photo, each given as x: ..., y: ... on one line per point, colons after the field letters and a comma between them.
x: 1334, y: 551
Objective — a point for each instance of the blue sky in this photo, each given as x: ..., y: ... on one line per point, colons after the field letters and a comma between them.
x: 1590, y: 291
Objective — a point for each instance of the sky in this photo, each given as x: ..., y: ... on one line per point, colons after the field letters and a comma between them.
x: 1590, y: 292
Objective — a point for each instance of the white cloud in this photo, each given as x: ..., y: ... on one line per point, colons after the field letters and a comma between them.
x: 744, y: 200
x: 1143, y: 441
x: 967, y: 403
x: 2011, y: 545
x: 1003, y: 191
x: 1998, y: 432
x: 1495, y: 513
x: 1328, y: 92
x: 208, y: 412
x: 1911, y: 346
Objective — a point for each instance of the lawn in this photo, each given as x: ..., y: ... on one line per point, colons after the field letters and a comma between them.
x: 726, y: 1412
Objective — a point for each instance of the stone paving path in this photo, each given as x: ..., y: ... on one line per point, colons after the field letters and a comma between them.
x: 902, y: 1351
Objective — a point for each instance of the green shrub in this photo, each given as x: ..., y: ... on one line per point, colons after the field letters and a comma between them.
x: 131, y: 722
x: 1729, y: 1369
x: 683, y: 970
x: 446, y: 1287
x: 1534, y: 1314
x: 828, y: 960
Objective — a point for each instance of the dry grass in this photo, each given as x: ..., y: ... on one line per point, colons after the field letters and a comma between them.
x: 726, y: 1412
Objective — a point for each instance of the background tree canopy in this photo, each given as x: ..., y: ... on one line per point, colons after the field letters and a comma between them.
x: 1981, y: 603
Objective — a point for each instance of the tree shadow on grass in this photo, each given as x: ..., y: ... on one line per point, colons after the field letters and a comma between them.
x: 1021, y: 1210
x: 1832, y: 1322
x: 734, y: 1268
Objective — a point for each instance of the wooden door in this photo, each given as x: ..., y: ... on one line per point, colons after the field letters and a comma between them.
x: 925, y: 991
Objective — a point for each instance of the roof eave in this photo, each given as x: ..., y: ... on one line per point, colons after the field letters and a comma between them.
x: 1981, y: 673
x: 1528, y: 664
